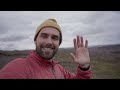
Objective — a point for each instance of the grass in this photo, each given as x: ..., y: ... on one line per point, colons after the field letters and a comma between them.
x: 105, y: 61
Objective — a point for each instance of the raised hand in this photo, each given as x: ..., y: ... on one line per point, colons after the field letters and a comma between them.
x: 81, y: 54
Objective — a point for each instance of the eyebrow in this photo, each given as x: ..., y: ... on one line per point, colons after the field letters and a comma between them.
x: 44, y: 33
x: 52, y: 34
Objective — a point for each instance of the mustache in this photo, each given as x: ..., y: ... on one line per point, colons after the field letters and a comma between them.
x: 48, y: 46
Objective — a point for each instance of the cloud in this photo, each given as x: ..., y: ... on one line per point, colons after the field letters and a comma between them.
x: 12, y: 38
x: 8, y: 47
x: 17, y: 28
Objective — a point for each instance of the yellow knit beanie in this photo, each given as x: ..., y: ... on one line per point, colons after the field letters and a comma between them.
x: 48, y: 23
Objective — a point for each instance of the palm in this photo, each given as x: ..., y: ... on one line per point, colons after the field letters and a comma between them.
x: 81, y: 54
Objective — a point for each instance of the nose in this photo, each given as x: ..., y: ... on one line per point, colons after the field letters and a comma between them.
x: 49, y: 41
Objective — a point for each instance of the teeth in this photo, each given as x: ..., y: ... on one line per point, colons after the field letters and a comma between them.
x: 48, y: 49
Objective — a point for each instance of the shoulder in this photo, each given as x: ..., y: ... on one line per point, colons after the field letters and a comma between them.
x: 15, y: 64
x: 17, y: 61
x: 14, y: 69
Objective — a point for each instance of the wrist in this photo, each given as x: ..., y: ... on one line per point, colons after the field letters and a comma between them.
x: 84, y: 67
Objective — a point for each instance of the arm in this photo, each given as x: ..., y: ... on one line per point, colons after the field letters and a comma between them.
x: 80, y: 74
x: 81, y: 57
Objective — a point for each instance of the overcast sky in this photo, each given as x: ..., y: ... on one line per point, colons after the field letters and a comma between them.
x: 17, y: 28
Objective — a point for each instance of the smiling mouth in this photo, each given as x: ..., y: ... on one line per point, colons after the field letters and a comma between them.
x: 48, y: 49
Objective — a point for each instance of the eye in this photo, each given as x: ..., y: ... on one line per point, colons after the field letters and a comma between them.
x: 55, y: 37
x: 43, y: 35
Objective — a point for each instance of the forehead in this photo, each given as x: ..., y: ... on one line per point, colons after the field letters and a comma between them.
x: 50, y: 31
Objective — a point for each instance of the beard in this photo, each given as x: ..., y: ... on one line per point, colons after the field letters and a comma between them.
x: 47, y: 51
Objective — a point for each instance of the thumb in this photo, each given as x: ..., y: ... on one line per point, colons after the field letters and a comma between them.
x: 73, y: 56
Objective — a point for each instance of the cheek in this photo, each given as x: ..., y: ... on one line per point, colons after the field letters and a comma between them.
x: 39, y: 41
x: 56, y: 44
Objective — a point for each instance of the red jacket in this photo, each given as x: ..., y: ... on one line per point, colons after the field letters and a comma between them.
x: 34, y: 67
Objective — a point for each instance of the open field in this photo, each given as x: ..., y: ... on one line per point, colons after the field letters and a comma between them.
x: 105, y: 60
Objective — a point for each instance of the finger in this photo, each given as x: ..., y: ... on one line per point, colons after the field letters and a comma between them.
x: 82, y: 44
x: 86, y: 43
x: 75, y: 45
x: 73, y: 56
x: 78, y: 41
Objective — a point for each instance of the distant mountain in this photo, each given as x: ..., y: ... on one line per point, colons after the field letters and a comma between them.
x: 25, y: 52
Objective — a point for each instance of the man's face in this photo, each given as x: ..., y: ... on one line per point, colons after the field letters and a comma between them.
x: 47, y: 42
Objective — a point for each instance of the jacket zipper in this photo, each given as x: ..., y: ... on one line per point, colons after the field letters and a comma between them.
x: 53, y: 71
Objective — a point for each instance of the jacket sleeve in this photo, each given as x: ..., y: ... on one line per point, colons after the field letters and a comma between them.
x: 80, y: 74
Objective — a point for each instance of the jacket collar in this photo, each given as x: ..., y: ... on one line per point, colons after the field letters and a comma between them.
x: 40, y: 60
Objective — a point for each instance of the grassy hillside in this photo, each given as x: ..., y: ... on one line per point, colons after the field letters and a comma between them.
x: 105, y: 60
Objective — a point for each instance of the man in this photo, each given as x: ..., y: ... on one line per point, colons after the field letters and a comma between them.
x: 39, y: 64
